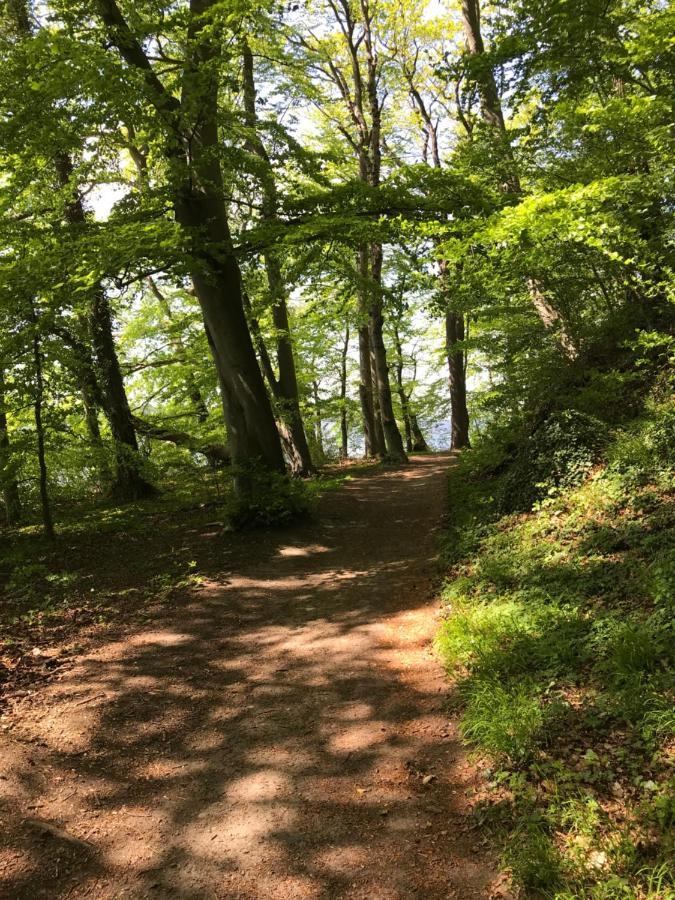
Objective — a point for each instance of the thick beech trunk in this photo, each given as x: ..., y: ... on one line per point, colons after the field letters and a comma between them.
x: 199, y: 207
x: 372, y: 446
x: 10, y: 488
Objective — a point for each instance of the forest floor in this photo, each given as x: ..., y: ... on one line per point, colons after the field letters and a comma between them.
x: 276, y: 728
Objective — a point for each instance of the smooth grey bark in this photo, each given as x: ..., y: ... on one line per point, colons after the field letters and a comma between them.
x: 372, y: 445
x: 392, y: 436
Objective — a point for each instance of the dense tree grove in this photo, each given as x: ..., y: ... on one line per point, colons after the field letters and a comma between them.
x: 257, y: 236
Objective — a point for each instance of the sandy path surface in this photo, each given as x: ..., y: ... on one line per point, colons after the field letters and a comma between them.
x: 278, y: 733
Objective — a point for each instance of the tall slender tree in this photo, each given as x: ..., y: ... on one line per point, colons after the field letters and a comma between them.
x: 284, y: 385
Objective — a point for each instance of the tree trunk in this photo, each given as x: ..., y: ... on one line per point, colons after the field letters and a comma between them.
x: 372, y: 448
x: 217, y: 454
x: 454, y: 321
x: 318, y: 422
x: 285, y: 387
x: 403, y: 397
x: 47, y: 520
x: 344, y: 432
x: 377, y: 412
x: 128, y: 484
x: 287, y: 394
x: 392, y: 436
x: 10, y: 488
x: 419, y: 443
x: 199, y: 208
x: 454, y: 333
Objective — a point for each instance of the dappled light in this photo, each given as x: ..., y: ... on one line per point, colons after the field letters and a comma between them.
x: 257, y: 738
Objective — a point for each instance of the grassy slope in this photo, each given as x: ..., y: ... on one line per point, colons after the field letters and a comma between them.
x: 560, y: 635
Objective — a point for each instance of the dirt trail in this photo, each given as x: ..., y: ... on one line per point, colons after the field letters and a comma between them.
x: 278, y: 733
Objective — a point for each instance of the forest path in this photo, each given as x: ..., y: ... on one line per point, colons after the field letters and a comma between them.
x: 277, y: 733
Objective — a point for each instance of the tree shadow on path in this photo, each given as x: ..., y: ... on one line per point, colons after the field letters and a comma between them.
x: 278, y: 733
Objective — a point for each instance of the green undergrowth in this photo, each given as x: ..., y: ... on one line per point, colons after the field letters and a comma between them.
x: 559, y: 634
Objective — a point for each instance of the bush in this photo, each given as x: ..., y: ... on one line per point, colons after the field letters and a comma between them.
x: 266, y: 499
x: 559, y: 453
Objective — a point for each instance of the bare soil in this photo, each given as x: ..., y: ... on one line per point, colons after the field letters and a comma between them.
x: 279, y: 731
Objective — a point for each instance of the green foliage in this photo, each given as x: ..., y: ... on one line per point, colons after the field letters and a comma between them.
x: 559, y: 631
x: 558, y: 454
x: 267, y: 499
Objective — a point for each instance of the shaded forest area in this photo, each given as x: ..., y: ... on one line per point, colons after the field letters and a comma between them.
x: 250, y: 251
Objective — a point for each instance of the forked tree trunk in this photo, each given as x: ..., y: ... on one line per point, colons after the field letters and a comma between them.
x: 10, y: 488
